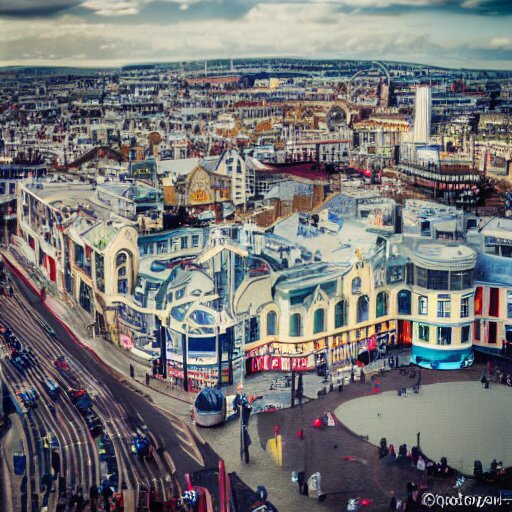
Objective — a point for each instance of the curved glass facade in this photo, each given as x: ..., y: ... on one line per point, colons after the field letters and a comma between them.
x: 442, y: 359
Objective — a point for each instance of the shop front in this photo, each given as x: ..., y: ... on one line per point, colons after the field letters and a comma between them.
x: 281, y: 357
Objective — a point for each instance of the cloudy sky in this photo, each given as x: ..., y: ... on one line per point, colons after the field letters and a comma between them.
x: 456, y: 33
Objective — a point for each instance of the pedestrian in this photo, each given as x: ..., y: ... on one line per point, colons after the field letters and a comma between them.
x: 362, y: 377
x: 392, y: 502
x: 147, y: 379
x: 421, y: 466
x: 11, y: 291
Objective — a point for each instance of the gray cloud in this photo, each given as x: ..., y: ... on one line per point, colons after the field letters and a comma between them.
x: 30, y: 8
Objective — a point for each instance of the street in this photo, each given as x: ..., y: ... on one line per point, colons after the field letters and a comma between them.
x: 120, y: 409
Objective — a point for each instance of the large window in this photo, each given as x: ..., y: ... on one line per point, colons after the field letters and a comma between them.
x: 271, y: 323
x: 362, y: 308
x: 421, y: 277
x: 422, y: 305
x: 296, y: 325
x: 443, y: 279
x: 319, y: 321
x: 464, y: 306
x: 404, y: 302
x: 444, y: 306
x: 123, y: 273
x: 340, y: 314
x: 437, y: 280
x: 356, y: 285
x: 444, y: 335
x: 424, y: 333
x: 161, y: 247
x: 494, y: 302
x: 184, y: 242
x: 100, y: 271
x: 464, y: 334
x: 461, y: 280
x: 382, y: 304
x: 509, y: 303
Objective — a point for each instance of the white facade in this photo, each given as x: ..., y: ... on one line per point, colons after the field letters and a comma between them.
x: 422, y: 114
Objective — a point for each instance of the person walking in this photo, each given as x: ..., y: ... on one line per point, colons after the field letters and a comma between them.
x: 392, y: 502
x: 421, y: 466
x: 362, y: 377
x: 11, y: 291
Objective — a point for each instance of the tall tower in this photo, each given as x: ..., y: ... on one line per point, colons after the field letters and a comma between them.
x: 422, y: 114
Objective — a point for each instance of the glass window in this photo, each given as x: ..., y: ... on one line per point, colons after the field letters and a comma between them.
x: 180, y: 293
x: 476, y: 330
x: 100, y: 271
x: 184, y: 242
x: 494, y: 302
x: 271, y: 323
x: 422, y: 305
x: 319, y: 321
x: 421, y: 277
x: 443, y: 306
x: 464, y: 334
x: 444, y: 335
x: 382, y: 304
x: 295, y: 325
x: 122, y: 286
x: 362, y: 309
x: 356, y: 285
x: 340, y: 314
x: 438, y: 280
x: 404, y: 302
x: 195, y: 240
x: 161, y: 247
x: 464, y: 307
x: 461, y: 280
x: 509, y: 303
x: 202, y: 317
x: 121, y: 258
x: 424, y: 333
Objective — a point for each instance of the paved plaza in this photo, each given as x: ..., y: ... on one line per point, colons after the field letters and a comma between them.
x: 458, y: 420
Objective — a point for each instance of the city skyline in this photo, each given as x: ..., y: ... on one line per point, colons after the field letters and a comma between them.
x: 460, y: 34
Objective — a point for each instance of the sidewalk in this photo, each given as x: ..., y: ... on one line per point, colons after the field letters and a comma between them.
x: 120, y: 360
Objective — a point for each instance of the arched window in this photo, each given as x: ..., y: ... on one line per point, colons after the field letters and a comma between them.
x: 121, y: 259
x: 340, y: 314
x: 404, y: 302
x: 296, y: 325
x: 123, y: 271
x: 319, y: 321
x: 382, y: 304
x: 362, y: 308
x: 356, y: 285
x: 271, y: 323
